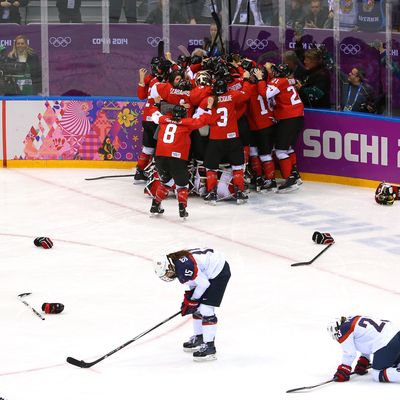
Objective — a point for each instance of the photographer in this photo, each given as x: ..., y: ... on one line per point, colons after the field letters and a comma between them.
x: 356, y: 94
x: 9, y: 11
x: 30, y: 79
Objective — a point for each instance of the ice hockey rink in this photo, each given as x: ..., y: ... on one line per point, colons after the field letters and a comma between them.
x: 272, y: 323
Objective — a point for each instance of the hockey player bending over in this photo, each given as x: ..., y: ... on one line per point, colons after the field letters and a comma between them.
x: 207, y: 273
x: 377, y: 337
x: 386, y: 193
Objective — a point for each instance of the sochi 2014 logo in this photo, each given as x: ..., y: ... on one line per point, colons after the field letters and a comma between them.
x: 348, y: 48
x: 257, y: 44
x: 153, y: 41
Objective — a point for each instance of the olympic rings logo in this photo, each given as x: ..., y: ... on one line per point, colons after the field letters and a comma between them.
x: 257, y: 44
x: 153, y: 41
x: 60, y: 41
x: 352, y: 49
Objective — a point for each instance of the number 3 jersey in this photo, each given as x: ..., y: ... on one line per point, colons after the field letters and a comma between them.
x: 365, y: 335
x: 198, y: 268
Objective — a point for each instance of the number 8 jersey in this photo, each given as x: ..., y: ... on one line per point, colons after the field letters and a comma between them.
x: 365, y: 335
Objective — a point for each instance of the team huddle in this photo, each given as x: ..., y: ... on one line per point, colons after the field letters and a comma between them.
x: 208, y: 117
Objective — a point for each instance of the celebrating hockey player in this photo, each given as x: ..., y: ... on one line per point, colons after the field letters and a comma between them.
x: 207, y: 273
x: 377, y: 337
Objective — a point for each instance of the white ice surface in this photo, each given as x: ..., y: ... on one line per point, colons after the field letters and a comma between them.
x: 272, y: 324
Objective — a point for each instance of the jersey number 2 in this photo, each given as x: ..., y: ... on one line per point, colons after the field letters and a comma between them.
x: 364, y: 321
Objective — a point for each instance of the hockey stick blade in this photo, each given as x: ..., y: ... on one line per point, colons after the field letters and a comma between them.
x: 317, y: 385
x: 308, y: 387
x: 184, y: 50
x: 84, y: 364
x: 311, y: 261
x: 80, y: 364
x: 108, y: 176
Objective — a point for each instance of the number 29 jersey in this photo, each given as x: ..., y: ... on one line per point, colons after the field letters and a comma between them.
x: 365, y: 335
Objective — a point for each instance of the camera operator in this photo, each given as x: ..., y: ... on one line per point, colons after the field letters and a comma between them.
x: 9, y: 11
x: 356, y: 94
x: 28, y: 73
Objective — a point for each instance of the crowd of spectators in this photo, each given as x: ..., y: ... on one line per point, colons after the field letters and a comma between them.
x: 354, y: 15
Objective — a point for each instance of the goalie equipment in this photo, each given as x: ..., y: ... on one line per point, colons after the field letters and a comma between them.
x: 333, y: 327
x: 202, y: 78
x: 322, y: 238
x: 384, y: 194
x: 52, y: 308
x: 164, y: 269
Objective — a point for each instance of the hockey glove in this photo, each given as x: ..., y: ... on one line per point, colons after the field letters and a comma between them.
x: 322, y: 238
x: 343, y: 373
x: 189, y: 306
x: 362, y: 366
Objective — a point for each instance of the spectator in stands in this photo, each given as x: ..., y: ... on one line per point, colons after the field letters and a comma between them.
x: 318, y: 16
x: 348, y: 12
x: 269, y: 12
x: 241, y: 12
x: 371, y: 15
x: 69, y: 11
x: 116, y: 7
x: 156, y: 15
x: 9, y: 11
x: 296, y: 66
x: 296, y: 11
x: 315, y: 89
x: 30, y: 82
x: 356, y: 94
x: 199, y: 11
x: 212, y: 44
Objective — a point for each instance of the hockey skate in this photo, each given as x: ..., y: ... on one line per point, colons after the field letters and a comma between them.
x: 288, y: 186
x: 206, y: 352
x: 296, y: 175
x: 139, y: 177
x: 193, y: 343
x: 156, y: 208
x: 211, y: 197
x: 269, y: 185
x: 182, y: 211
x: 240, y: 196
x: 259, y: 183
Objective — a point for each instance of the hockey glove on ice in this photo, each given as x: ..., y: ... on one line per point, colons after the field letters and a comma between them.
x: 362, y: 366
x: 343, y: 373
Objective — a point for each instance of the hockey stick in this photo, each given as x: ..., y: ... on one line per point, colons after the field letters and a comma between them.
x: 160, y: 49
x: 184, y: 50
x: 310, y: 262
x: 108, y: 176
x: 83, y: 364
x: 317, y: 385
x: 20, y: 296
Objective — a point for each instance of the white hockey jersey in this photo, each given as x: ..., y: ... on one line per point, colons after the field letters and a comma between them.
x: 365, y: 335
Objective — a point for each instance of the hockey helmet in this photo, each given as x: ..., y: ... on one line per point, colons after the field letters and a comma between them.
x: 183, y: 61
x: 178, y: 112
x: 184, y: 84
x: 164, y: 269
x: 281, y: 70
x: 333, y: 327
x: 384, y: 194
x: 220, y: 87
x: 202, y: 78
